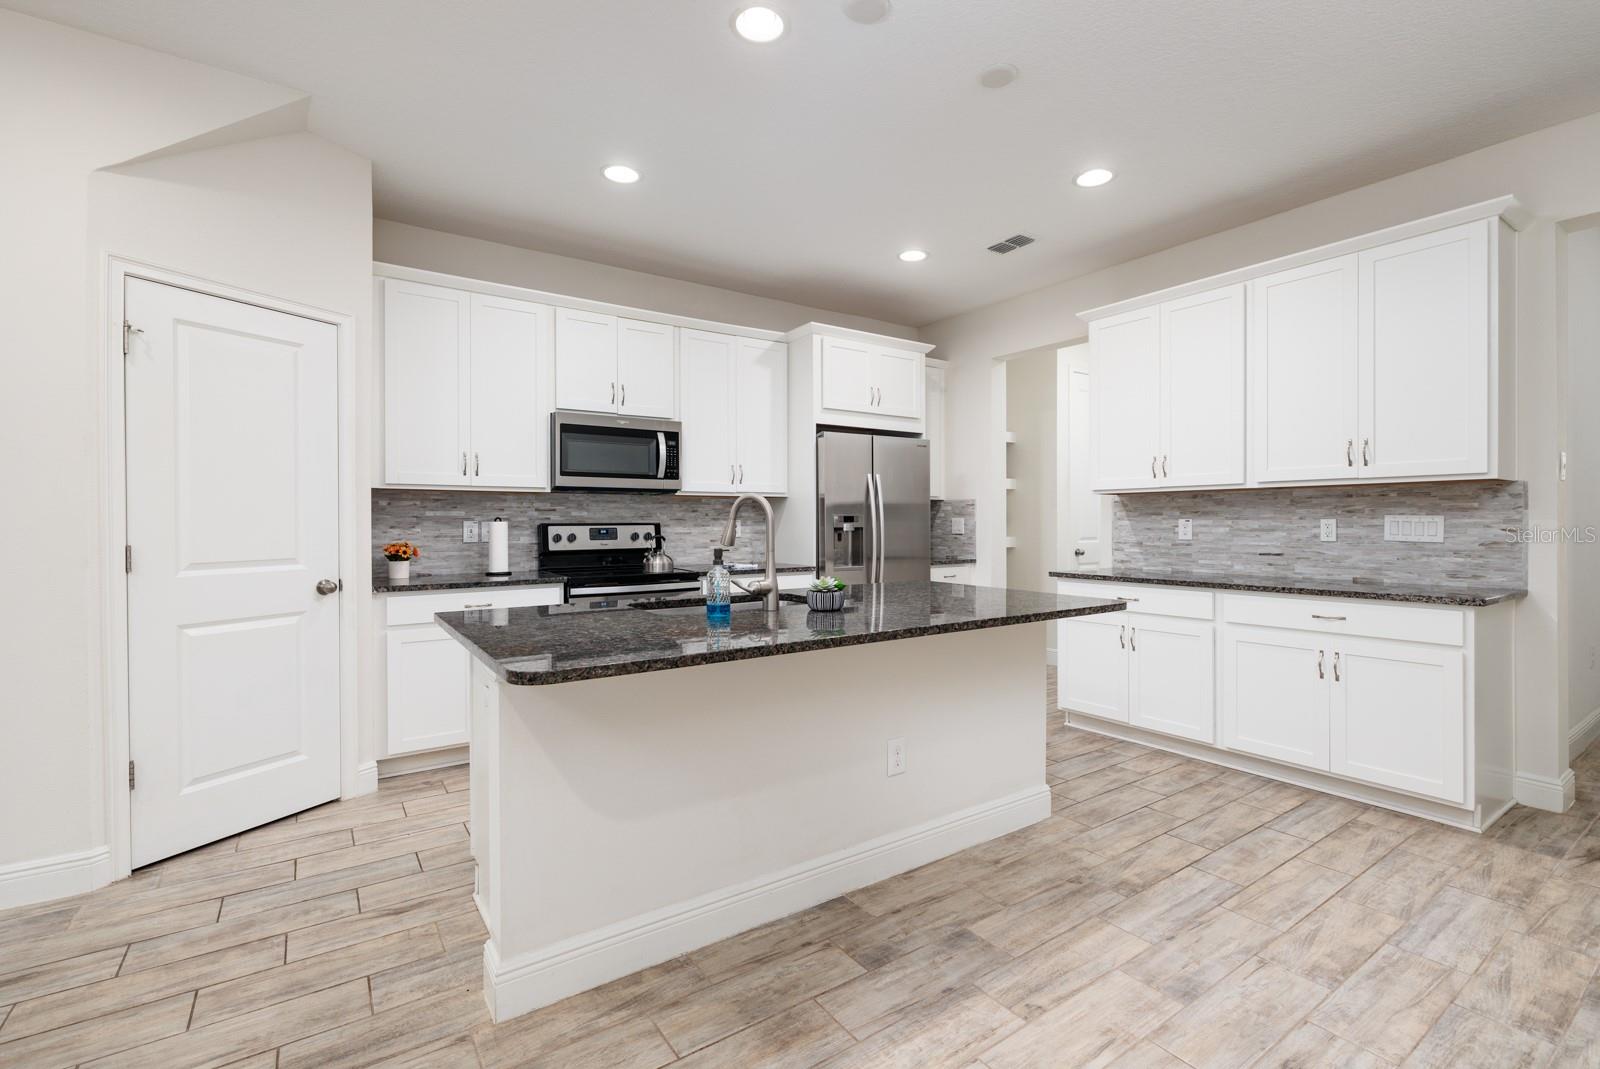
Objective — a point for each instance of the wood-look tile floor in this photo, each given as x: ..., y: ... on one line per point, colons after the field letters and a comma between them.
x: 1169, y: 914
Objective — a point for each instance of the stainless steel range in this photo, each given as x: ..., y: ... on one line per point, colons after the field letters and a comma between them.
x: 603, y: 565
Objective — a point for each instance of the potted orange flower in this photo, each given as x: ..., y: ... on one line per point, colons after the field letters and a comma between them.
x: 400, y: 555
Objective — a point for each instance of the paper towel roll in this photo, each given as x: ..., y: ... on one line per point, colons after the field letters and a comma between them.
x: 499, y: 547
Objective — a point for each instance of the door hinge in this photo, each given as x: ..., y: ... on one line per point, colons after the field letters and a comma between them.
x: 130, y: 775
x: 127, y: 559
x: 128, y: 331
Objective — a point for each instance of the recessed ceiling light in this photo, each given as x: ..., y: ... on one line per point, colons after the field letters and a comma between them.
x: 621, y: 174
x: 913, y: 256
x: 998, y: 76
x: 1094, y: 176
x: 758, y: 24
x: 866, y: 12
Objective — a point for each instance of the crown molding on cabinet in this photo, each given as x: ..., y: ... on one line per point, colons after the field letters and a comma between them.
x: 886, y: 340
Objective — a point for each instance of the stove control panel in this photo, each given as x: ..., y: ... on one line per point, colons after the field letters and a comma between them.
x: 588, y: 537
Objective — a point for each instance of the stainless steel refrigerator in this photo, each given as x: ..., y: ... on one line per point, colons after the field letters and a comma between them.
x: 872, y: 507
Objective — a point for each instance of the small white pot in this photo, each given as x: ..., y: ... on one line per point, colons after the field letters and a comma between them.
x: 399, y: 569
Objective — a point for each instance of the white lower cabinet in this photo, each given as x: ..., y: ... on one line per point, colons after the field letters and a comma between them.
x: 1094, y: 666
x: 1275, y: 695
x: 1153, y: 672
x: 1397, y: 717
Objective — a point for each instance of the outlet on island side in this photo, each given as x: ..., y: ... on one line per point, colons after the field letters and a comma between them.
x: 897, y: 757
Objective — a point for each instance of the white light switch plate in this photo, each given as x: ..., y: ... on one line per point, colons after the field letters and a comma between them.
x: 469, y: 530
x: 1328, y: 530
x: 958, y: 525
x: 1186, y: 530
x: 1413, y: 528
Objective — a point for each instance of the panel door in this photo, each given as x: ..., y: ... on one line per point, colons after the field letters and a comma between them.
x: 510, y: 430
x: 706, y: 458
x: 1202, y: 389
x: 1275, y: 694
x: 1094, y: 666
x: 1424, y: 355
x: 761, y: 416
x: 1303, y: 382
x: 847, y: 384
x: 1399, y: 716
x: 427, y: 673
x: 1125, y: 359
x: 934, y: 429
x: 426, y: 384
x: 586, y: 361
x: 647, y: 369
x: 1172, y: 676
x: 232, y: 516
x: 897, y: 374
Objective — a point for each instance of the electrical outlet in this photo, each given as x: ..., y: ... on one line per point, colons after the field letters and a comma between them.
x: 958, y: 525
x: 897, y: 756
x: 1328, y: 530
x: 469, y: 530
x: 1186, y: 530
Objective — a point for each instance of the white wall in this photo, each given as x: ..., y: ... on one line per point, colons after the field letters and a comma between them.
x: 1583, y: 480
x: 1031, y: 460
x: 453, y: 254
x: 1552, y: 172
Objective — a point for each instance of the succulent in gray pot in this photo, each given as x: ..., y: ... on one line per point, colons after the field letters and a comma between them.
x: 825, y: 594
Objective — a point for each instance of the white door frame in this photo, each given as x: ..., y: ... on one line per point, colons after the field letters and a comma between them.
x: 353, y: 552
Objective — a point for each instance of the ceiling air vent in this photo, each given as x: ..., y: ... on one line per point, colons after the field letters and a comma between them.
x: 1011, y: 244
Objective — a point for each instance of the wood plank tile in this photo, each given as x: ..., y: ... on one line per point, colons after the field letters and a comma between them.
x: 1465, y: 1040
x: 711, y: 1013
x: 1106, y: 1019
x: 808, y: 928
x: 934, y: 880
x: 382, y: 1035
x: 1180, y: 777
x: 434, y: 803
x: 1389, y: 819
x: 77, y: 942
x: 1331, y: 942
x: 1051, y: 973
x: 1390, y: 1003
x: 1109, y: 805
x: 20, y: 925
x: 1153, y: 762
x: 1276, y: 798
x: 307, y: 826
x: 1026, y: 876
x: 137, y: 989
x: 882, y: 939
x: 460, y: 971
x: 168, y: 897
x: 1400, y: 884
x: 1148, y: 863
x: 86, y: 1040
x: 1456, y: 929
x: 1552, y: 835
x: 288, y: 894
x: 149, y: 953
x: 1085, y: 763
x: 59, y: 975
x: 440, y: 857
x: 1527, y: 983
x: 1318, y: 816
x: 1580, y: 1046
x: 1202, y: 798
x: 186, y: 869
x: 1071, y: 743
x: 945, y: 1034
x: 462, y: 929
x: 1451, y: 846
x: 794, y: 1039
x: 456, y: 1053
x: 1123, y: 834
x: 1564, y: 913
x: 634, y: 1044
x: 234, y: 998
x: 1146, y: 1055
x: 1201, y: 956
x: 400, y: 845
x: 1507, y: 874
x: 1251, y: 856
x: 1288, y: 893
x: 347, y: 931
x: 1240, y: 1018
x: 1310, y: 1047
x: 419, y: 885
x: 877, y: 999
x: 1221, y: 826
x: 1163, y: 910
x: 1021, y: 927
x: 409, y: 825
x: 1353, y: 848
x: 1070, y: 792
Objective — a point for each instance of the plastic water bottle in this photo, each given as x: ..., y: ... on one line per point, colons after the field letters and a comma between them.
x: 719, y: 593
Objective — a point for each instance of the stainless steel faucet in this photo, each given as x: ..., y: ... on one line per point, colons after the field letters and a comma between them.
x: 767, y: 586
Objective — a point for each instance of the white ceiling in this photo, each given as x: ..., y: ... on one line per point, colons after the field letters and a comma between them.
x: 799, y: 169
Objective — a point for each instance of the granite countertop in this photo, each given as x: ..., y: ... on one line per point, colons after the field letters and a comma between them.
x: 1416, y: 593
x: 533, y: 646
x: 382, y: 584
x: 945, y: 562
x: 745, y: 567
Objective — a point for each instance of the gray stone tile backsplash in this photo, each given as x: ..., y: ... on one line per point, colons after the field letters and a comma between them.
x: 1273, y: 532
x: 947, y: 545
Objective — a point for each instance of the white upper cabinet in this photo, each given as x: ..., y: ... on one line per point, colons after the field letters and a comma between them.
x: 464, y: 399
x: 761, y: 416
x: 1424, y: 355
x: 647, y: 369
x: 1202, y: 389
x: 735, y: 414
x: 1126, y: 354
x: 935, y: 433
x: 898, y: 377
x: 868, y: 384
x: 586, y: 361
x: 1303, y: 406
x: 426, y: 384
x: 847, y: 384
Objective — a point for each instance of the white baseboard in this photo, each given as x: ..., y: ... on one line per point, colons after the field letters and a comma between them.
x: 26, y: 882
x: 1583, y: 733
x: 1540, y: 792
x: 422, y: 762
x: 573, y: 965
x: 366, y: 779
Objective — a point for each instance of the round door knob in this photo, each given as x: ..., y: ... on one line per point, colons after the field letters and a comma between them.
x: 327, y: 586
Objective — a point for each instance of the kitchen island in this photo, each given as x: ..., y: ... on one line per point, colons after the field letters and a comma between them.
x: 644, y: 784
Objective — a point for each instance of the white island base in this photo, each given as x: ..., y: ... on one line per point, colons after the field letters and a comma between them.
x: 620, y: 822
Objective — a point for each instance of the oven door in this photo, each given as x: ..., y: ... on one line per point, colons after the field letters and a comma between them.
x: 590, y: 452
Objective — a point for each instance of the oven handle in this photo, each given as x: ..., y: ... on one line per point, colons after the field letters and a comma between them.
x: 661, y: 448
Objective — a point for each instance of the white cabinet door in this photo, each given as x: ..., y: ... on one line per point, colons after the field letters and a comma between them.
x: 847, y: 371
x: 1202, y: 389
x: 1424, y: 355
x: 1303, y: 395
x: 1171, y: 676
x: 1399, y: 716
x: 510, y: 431
x: 426, y: 390
x: 586, y: 361
x: 761, y: 416
x: 1094, y: 667
x: 897, y: 375
x: 933, y: 402
x: 647, y: 369
x: 706, y: 462
x: 1125, y: 354
x: 1275, y: 694
x: 428, y: 689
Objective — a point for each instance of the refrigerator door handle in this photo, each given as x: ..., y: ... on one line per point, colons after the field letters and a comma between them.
x: 882, y: 524
x: 874, y: 535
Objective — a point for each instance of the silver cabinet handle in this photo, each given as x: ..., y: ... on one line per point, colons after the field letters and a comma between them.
x: 741, y: 474
x: 1133, y: 639
x: 624, y: 395
x: 327, y: 586
x: 1319, y: 665
x: 733, y: 474
x: 476, y: 467
x: 463, y: 463
x: 1317, y: 616
x: 1163, y: 465
x: 1124, y: 597
x: 872, y: 395
x: 1122, y: 636
x: 1336, y: 667
x: 613, y: 393
x: 1349, y: 452
x: 1152, y: 467
x: 480, y: 605
x: 1365, y: 456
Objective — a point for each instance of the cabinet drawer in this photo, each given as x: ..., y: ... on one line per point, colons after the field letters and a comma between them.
x: 1407, y: 623
x: 954, y: 573
x: 419, y: 608
x: 1155, y: 600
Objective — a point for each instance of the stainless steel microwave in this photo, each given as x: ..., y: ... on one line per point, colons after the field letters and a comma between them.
x: 590, y: 451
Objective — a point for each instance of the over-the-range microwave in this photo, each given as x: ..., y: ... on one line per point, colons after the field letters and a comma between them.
x: 591, y: 451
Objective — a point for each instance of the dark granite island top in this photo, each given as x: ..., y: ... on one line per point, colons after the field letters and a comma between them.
x: 535, y: 646
x: 1414, y: 593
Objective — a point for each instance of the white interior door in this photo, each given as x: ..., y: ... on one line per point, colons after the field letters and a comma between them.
x: 232, y: 484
